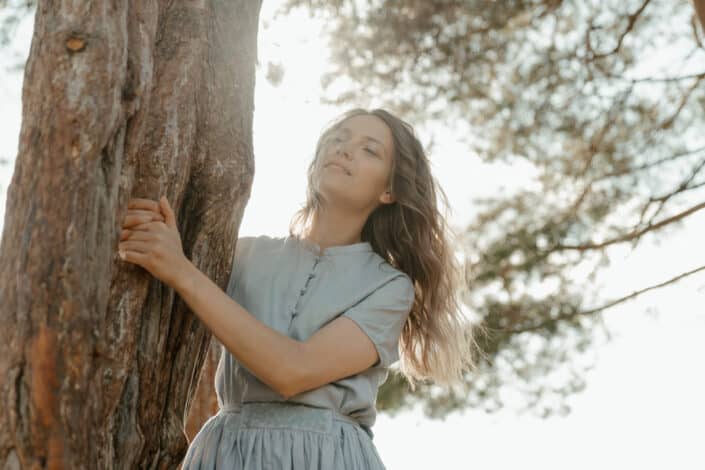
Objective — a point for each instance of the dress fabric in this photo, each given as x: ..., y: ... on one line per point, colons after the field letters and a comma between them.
x: 296, y: 288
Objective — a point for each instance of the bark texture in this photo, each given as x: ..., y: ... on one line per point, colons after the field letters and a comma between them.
x: 99, y: 360
x: 205, y: 402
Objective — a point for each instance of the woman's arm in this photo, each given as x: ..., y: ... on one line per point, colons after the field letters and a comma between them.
x: 150, y: 238
x: 274, y: 358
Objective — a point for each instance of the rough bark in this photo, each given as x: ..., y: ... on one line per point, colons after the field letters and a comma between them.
x: 205, y: 402
x: 98, y: 359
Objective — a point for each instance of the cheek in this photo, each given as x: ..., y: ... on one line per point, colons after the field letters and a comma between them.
x: 318, y: 169
x: 374, y: 174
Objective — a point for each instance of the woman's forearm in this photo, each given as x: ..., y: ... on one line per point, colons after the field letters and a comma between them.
x: 271, y: 356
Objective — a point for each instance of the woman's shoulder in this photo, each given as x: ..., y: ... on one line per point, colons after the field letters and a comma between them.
x: 386, y: 269
x: 260, y: 247
x: 259, y: 241
x: 254, y: 254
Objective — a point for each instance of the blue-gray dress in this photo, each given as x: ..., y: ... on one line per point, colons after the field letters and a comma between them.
x: 288, y: 284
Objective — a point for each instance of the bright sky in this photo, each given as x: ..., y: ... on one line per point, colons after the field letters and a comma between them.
x: 643, y: 406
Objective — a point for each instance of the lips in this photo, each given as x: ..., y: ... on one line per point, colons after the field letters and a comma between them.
x: 340, y: 165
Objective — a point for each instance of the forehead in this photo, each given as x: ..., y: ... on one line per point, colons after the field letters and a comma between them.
x: 369, y: 126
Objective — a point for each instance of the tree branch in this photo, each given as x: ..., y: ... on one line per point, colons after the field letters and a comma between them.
x: 633, y: 234
x: 570, y: 316
x: 700, y: 11
x: 630, y: 25
x: 683, y: 186
x: 665, y: 79
x: 647, y: 165
x: 668, y: 122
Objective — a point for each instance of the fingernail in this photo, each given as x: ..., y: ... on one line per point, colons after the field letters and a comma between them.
x: 122, y: 255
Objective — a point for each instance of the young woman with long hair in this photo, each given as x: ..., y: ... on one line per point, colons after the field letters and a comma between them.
x: 311, y: 322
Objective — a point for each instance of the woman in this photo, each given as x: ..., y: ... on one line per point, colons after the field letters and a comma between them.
x: 311, y: 322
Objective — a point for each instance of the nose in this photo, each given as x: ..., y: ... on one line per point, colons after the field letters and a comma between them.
x: 342, y: 150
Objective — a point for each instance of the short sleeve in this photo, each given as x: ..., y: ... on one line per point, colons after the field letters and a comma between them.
x: 382, y: 314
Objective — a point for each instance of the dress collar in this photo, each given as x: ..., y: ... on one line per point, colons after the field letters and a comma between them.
x: 314, y: 248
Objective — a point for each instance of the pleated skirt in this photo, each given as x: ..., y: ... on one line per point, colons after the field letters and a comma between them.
x: 281, y: 436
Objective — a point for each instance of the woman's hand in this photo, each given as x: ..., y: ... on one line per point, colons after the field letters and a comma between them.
x: 150, y: 238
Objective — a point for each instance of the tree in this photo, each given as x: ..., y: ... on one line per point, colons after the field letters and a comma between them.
x: 135, y: 99
x: 568, y: 93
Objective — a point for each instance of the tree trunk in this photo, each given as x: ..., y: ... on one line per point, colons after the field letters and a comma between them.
x: 700, y: 12
x: 98, y: 359
x: 204, y: 403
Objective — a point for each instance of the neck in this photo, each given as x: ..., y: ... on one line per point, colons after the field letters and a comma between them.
x: 334, y: 228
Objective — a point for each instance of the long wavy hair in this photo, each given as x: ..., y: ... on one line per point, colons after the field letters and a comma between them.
x: 411, y: 234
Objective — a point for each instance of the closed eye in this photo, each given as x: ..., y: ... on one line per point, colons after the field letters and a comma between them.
x: 338, y: 139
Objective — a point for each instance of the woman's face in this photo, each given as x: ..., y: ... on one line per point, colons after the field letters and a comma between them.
x: 355, y: 163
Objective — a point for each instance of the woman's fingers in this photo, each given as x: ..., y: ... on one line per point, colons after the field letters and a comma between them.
x: 134, y: 217
x: 131, y: 221
x: 141, y: 203
x: 140, y: 231
x: 135, y: 245
x: 144, y: 235
x: 139, y: 211
x: 157, y: 215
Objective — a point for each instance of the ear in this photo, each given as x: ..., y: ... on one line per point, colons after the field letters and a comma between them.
x: 386, y: 198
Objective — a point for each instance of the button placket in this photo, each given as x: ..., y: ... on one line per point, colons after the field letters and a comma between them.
x: 310, y: 276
